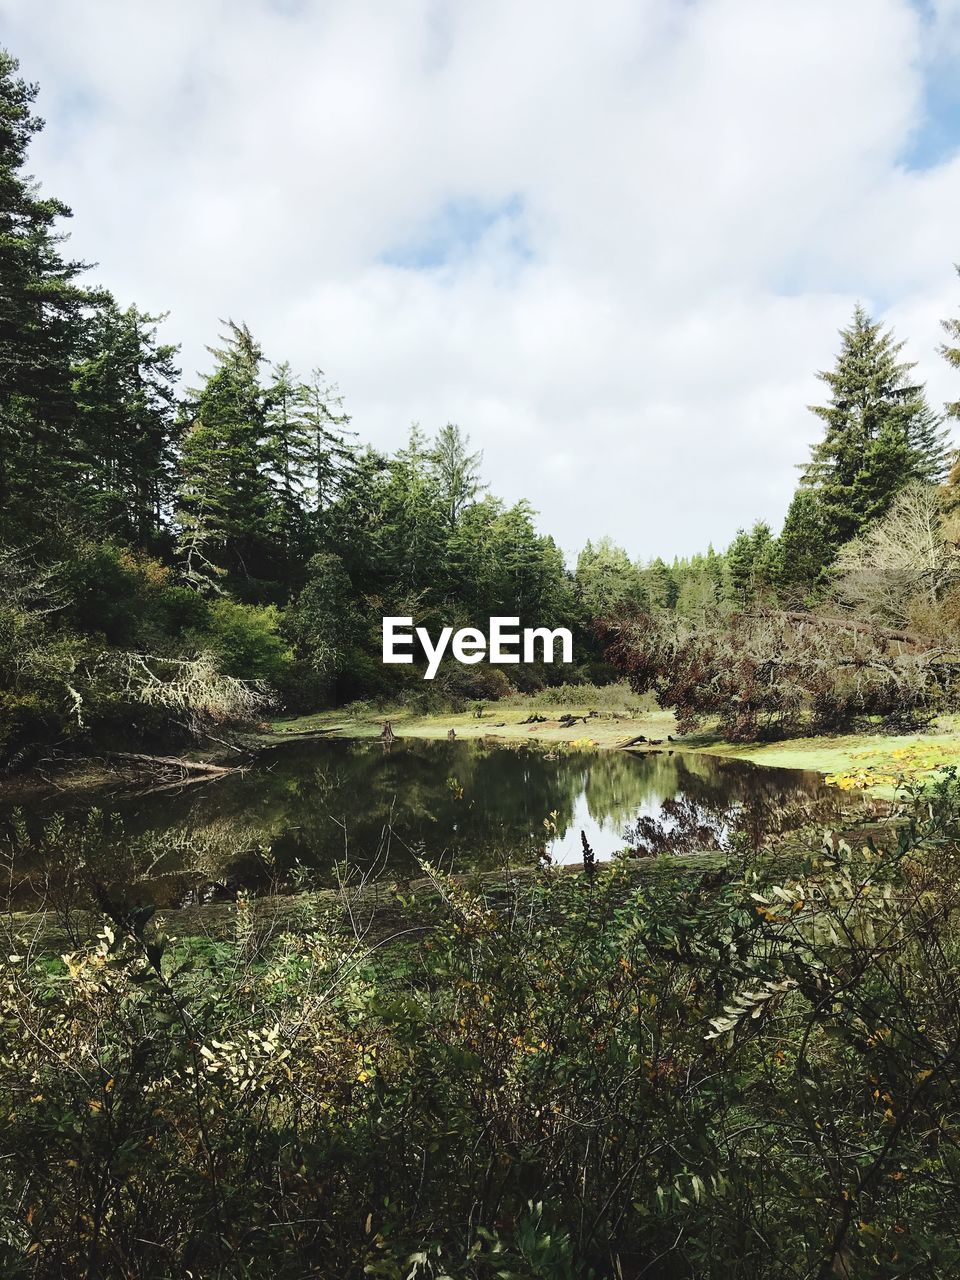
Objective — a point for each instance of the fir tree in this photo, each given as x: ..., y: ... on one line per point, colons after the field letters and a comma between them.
x: 456, y: 468
x: 879, y: 431
x: 124, y: 388
x: 226, y: 509
x: 42, y: 311
x: 802, y: 552
x: 660, y: 585
x: 326, y: 452
x: 740, y: 557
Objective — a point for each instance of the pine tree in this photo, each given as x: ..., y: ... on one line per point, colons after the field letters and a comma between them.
x: 764, y: 559
x: 802, y: 552
x: 880, y: 434
x: 414, y: 534
x: 226, y: 502
x: 327, y: 454
x: 607, y: 580
x: 124, y: 386
x: 42, y: 311
x: 457, y: 470
x: 287, y: 446
x: 740, y: 564
x: 660, y: 585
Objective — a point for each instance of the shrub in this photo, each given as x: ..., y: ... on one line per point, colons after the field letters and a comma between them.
x: 247, y: 640
x: 564, y: 1077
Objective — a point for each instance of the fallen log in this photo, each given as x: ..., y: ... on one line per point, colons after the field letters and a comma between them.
x: 171, y: 762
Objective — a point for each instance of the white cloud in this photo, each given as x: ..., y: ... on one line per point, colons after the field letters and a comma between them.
x: 704, y: 189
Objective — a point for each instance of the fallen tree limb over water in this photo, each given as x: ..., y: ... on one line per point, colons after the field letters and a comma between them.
x: 170, y: 762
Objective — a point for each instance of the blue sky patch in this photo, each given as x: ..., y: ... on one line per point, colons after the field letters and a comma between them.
x: 455, y: 231
x: 938, y: 135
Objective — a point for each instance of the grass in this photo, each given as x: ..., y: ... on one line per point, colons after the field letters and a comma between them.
x: 619, y: 715
x: 865, y: 761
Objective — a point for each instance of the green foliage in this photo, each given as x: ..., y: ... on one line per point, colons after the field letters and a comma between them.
x: 751, y: 561
x: 41, y: 325
x: 607, y: 580
x: 802, y: 551
x: 751, y: 1075
x: 225, y: 498
x: 879, y: 436
x: 247, y: 640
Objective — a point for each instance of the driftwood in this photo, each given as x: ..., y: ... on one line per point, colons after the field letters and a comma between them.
x: 301, y: 735
x: 172, y: 762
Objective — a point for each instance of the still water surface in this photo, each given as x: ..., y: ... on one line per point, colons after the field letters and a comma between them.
x: 302, y: 808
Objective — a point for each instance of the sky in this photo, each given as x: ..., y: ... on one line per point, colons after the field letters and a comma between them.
x: 612, y: 242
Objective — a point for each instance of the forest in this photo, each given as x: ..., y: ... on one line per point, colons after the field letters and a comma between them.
x: 174, y: 559
x: 296, y: 1007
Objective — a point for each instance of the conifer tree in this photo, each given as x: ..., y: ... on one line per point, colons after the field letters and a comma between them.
x: 327, y: 454
x: 802, y: 552
x: 879, y: 431
x: 740, y: 555
x: 124, y: 386
x: 456, y: 468
x: 607, y: 580
x: 661, y: 587
x: 226, y: 500
x: 42, y: 311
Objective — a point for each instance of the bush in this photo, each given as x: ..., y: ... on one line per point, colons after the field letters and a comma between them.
x: 247, y: 640
x: 566, y: 1077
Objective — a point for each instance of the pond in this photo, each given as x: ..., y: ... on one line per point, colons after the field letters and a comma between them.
x: 287, y: 821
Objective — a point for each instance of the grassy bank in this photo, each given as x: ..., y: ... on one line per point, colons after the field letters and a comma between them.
x: 605, y: 717
x: 869, y: 761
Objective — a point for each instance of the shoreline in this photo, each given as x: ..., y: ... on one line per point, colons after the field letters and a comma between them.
x: 860, y: 761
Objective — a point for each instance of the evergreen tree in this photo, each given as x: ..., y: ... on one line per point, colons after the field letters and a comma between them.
x: 930, y: 442
x: 226, y: 508
x: 607, y: 580
x: 740, y: 556
x: 764, y: 559
x: 802, y: 552
x: 879, y: 431
x: 325, y: 451
x: 457, y: 470
x: 287, y: 444
x: 124, y: 386
x: 413, y: 541
x: 661, y: 588
x: 42, y: 311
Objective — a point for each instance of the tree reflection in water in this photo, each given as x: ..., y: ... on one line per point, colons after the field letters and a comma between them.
x: 466, y: 805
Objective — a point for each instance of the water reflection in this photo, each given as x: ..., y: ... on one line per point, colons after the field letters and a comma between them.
x: 464, y: 805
